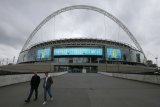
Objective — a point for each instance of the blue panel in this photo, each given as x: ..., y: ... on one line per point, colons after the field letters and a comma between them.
x: 77, y: 51
x: 43, y: 53
x: 113, y: 53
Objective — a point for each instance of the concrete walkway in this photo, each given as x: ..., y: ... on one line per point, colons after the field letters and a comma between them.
x: 86, y: 90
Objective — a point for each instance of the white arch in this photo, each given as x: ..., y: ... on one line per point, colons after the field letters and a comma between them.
x: 88, y: 8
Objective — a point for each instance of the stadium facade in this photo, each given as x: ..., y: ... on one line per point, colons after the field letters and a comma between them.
x: 83, y: 54
x: 77, y: 54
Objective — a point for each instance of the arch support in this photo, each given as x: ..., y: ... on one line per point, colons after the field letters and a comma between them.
x: 88, y: 8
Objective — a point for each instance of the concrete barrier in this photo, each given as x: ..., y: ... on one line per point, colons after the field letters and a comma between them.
x: 38, y: 67
x: 145, y: 78
x: 13, y: 79
x: 122, y: 68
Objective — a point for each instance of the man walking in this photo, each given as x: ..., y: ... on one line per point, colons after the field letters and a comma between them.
x: 35, y: 80
x: 47, y: 87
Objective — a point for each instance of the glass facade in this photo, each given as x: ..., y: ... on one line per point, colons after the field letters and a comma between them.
x: 113, y: 54
x: 136, y: 56
x: 31, y: 55
x: 82, y: 55
x: 72, y: 60
x: 43, y: 54
x: 77, y: 51
x: 125, y: 54
x: 23, y: 57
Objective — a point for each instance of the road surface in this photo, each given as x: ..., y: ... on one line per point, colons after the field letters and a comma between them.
x: 86, y: 90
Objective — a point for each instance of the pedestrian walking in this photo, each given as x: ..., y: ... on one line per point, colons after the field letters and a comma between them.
x: 35, y: 80
x: 47, y: 87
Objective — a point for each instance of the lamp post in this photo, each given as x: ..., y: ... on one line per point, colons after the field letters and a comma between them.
x: 7, y: 62
x: 156, y: 61
x: 13, y: 59
x: 3, y: 61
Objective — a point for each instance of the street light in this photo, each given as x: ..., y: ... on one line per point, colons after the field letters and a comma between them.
x: 13, y: 59
x: 156, y: 61
x: 7, y: 62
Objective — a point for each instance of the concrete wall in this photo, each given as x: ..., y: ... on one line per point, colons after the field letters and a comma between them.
x: 114, y: 68
x: 43, y: 67
x: 145, y: 78
x: 13, y: 79
x: 39, y: 67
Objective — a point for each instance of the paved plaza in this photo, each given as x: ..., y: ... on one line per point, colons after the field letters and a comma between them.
x: 86, y: 90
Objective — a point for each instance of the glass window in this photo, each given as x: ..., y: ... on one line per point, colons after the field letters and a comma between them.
x: 43, y: 54
x: 113, y: 53
x: 77, y: 51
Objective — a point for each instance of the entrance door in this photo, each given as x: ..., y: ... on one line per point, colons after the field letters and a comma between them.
x: 78, y: 69
x: 75, y: 69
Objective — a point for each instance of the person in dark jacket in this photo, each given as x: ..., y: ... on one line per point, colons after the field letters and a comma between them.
x: 47, y: 87
x: 35, y: 80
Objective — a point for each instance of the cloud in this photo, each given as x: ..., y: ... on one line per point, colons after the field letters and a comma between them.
x: 18, y: 19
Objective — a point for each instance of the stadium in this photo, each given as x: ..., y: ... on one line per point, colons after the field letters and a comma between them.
x: 82, y: 54
x: 77, y: 54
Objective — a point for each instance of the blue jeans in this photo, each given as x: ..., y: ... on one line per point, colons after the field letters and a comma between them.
x: 47, y: 90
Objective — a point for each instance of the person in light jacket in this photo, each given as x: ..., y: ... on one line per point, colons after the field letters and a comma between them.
x: 47, y: 87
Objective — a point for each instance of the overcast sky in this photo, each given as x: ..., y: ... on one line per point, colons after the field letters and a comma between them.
x: 18, y: 18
